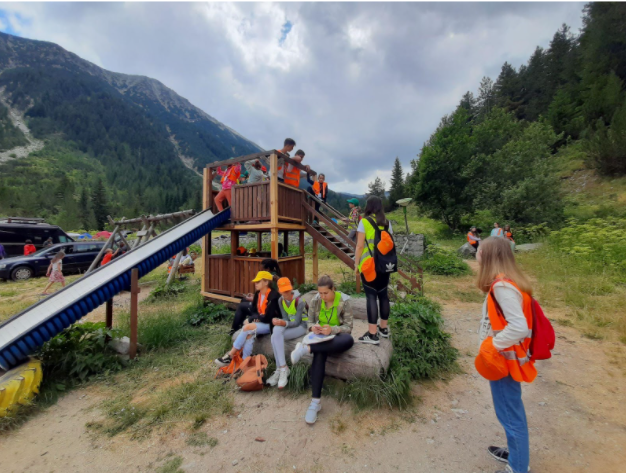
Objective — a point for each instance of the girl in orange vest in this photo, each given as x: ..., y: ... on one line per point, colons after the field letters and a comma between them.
x: 319, y: 189
x: 509, y: 236
x: 265, y: 308
x: 504, y: 353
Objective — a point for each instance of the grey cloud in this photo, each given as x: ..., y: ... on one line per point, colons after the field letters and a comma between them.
x: 353, y: 106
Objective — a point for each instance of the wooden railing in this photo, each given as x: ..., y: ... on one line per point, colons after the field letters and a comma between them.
x: 251, y: 202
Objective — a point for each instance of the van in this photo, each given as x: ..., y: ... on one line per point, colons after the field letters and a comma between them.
x: 15, y: 231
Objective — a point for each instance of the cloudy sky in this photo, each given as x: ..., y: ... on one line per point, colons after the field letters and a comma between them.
x: 355, y: 84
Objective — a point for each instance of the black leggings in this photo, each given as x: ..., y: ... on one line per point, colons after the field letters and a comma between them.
x: 244, y: 310
x: 376, y: 294
x: 342, y: 342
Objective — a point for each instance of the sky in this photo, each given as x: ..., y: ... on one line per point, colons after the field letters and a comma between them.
x: 355, y: 84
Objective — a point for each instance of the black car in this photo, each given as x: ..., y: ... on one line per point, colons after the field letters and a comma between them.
x: 14, y: 232
x: 78, y: 258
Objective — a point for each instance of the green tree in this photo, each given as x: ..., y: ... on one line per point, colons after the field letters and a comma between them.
x: 377, y: 188
x: 396, y: 192
x: 99, y: 204
x: 85, y: 210
x: 440, y: 181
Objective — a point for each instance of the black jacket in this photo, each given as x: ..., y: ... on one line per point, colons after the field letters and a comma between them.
x: 272, y: 310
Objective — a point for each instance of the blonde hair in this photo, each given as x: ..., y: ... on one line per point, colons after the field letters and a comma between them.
x: 497, y: 259
x: 59, y: 256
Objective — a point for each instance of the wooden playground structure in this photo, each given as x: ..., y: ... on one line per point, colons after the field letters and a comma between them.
x: 278, y: 209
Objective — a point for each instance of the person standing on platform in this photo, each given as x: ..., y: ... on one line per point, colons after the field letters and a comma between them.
x: 230, y: 177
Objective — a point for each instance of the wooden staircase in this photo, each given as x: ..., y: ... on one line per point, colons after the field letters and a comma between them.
x: 338, y: 243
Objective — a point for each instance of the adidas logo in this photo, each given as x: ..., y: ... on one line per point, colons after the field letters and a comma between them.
x: 390, y: 267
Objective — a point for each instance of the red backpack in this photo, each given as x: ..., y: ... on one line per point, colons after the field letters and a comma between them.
x: 543, y: 339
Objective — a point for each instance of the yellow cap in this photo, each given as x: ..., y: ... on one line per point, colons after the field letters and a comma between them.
x: 263, y: 275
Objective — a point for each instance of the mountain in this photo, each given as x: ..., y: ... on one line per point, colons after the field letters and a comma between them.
x: 142, y: 139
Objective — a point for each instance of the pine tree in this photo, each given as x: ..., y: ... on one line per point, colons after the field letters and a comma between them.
x: 396, y: 192
x: 486, y: 96
x: 99, y: 203
x: 85, y: 211
x: 377, y: 188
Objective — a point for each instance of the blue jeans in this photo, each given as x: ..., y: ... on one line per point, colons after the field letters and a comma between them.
x: 242, y: 340
x: 507, y: 401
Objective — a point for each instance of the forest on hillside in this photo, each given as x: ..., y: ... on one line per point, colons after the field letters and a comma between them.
x: 499, y: 155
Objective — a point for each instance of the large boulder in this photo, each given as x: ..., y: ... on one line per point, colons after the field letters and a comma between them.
x: 467, y: 251
x: 528, y: 247
x: 362, y: 360
x: 412, y: 245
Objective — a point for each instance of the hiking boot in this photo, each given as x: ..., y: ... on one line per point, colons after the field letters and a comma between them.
x: 223, y: 361
x: 311, y: 413
x: 383, y: 332
x: 298, y: 353
x: 369, y: 338
x: 273, y: 380
x: 499, y: 453
x: 284, y: 378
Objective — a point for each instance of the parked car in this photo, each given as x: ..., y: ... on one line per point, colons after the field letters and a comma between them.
x: 79, y: 257
x: 15, y: 231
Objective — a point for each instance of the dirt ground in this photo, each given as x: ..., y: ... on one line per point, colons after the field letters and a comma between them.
x: 575, y: 409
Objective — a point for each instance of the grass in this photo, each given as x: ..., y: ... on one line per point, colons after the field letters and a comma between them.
x: 586, y: 295
x: 171, y: 466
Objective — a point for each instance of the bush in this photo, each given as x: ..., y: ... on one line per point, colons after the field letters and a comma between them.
x: 530, y: 233
x: 209, y: 314
x: 163, y: 290
x: 599, y: 241
x: 78, y: 353
x: 307, y: 287
x: 420, y: 344
x: 436, y: 260
x: 393, y: 390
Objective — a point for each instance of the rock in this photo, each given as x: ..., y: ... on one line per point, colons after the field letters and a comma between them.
x: 122, y: 345
x: 235, y: 462
x: 412, y: 245
x: 361, y: 360
x: 467, y: 251
x: 542, y: 404
x: 528, y: 247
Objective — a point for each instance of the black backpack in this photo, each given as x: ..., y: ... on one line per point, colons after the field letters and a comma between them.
x: 384, y: 263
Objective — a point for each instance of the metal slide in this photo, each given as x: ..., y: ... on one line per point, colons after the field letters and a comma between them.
x: 25, y: 332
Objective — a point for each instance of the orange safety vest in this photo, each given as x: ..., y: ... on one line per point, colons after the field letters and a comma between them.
x: 517, y: 357
x: 509, y: 235
x: 232, y: 174
x: 292, y: 178
x: 316, y: 189
x: 261, y: 307
x: 470, y: 241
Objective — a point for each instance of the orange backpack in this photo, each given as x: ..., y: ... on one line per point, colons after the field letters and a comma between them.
x: 252, y: 370
x: 232, y: 368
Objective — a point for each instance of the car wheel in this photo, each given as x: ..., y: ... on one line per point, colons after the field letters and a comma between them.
x: 21, y: 273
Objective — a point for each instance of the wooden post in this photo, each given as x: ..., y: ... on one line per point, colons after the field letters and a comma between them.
x: 259, y: 241
x: 315, y: 268
x: 109, y: 313
x: 274, y: 204
x: 134, y: 290
x: 301, y: 235
x: 109, y: 242
x: 206, y: 239
x: 172, y: 275
x: 234, y: 243
x: 209, y: 188
x: 358, y: 284
x: 286, y: 242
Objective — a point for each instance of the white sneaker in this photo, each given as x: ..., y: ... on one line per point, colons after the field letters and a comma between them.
x: 311, y: 413
x: 298, y: 353
x: 273, y: 380
x: 284, y: 377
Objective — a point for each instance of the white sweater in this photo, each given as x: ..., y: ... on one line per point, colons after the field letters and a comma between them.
x: 511, y: 301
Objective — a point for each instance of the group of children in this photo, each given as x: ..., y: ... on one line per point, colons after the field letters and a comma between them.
x: 256, y: 171
x: 473, y: 236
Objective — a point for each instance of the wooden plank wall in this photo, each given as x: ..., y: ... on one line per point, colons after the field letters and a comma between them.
x: 251, y: 202
x: 290, y: 203
x: 219, y: 271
